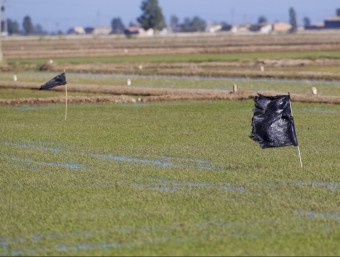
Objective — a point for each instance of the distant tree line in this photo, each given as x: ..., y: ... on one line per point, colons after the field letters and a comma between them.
x: 151, y: 18
x: 28, y: 28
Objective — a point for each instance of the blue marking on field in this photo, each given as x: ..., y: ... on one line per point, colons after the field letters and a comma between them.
x: 331, y: 186
x: 7, y: 250
x: 170, y: 186
x: 93, y: 246
x: 3, y: 243
x: 164, y: 162
x: 31, y: 146
x: 130, y: 159
x: 52, y: 164
x: 166, y: 189
x: 318, y: 110
x: 30, y: 108
x: 87, y: 240
x: 232, y: 188
x: 322, y: 215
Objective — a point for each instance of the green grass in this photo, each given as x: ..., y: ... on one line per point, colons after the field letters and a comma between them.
x: 298, y: 86
x: 179, y: 178
x: 10, y: 93
x: 187, y: 58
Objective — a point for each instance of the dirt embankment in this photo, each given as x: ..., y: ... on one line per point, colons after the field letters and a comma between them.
x: 134, y: 95
x: 47, y: 48
x: 54, y: 47
x: 272, y: 69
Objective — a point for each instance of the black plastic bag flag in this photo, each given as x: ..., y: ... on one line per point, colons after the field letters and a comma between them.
x: 58, y: 80
x: 273, y: 124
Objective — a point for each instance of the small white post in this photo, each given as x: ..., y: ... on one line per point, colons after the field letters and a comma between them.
x: 298, y: 148
x: 65, y: 99
x: 235, y: 88
x: 1, y: 56
x: 314, y: 91
x: 299, y: 153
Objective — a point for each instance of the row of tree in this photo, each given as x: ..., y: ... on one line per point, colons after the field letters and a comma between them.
x: 28, y: 28
x: 194, y: 24
x: 151, y: 17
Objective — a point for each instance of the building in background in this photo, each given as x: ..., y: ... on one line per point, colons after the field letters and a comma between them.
x: 281, y: 27
x: 332, y: 23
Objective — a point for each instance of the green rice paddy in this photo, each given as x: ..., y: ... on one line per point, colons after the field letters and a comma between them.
x: 189, y: 58
x: 167, y: 179
x: 179, y: 178
x: 304, y: 87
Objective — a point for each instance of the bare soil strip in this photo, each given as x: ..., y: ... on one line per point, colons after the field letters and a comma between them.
x: 205, y: 69
x: 132, y: 95
x: 53, y: 47
x: 72, y: 100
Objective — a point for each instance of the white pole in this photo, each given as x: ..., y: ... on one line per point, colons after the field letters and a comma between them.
x: 298, y: 148
x: 5, y: 18
x: 0, y: 32
x: 299, y: 153
x: 65, y: 100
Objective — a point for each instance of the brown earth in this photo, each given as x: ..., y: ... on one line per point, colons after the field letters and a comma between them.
x: 53, y: 47
x: 89, y: 46
x: 210, y: 69
x: 133, y: 95
x: 108, y: 46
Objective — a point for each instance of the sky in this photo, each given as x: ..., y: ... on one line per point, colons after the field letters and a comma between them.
x: 55, y: 15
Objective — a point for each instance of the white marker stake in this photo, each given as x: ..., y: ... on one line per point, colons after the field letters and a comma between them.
x: 235, y: 88
x: 299, y: 153
x: 298, y: 148
x: 65, y: 100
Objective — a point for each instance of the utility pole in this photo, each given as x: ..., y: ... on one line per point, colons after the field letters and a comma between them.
x: 4, y: 9
x: 1, y: 57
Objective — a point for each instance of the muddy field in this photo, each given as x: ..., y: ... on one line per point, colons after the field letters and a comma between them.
x: 133, y: 95
x: 52, y: 47
x: 137, y: 55
x: 34, y: 53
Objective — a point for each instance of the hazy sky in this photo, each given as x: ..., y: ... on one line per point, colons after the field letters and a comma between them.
x: 56, y: 15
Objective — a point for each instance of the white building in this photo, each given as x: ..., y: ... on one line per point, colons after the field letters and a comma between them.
x: 214, y: 28
x: 76, y: 31
x: 103, y: 30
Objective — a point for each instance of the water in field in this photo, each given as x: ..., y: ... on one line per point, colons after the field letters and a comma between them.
x: 304, y: 87
x: 326, y: 88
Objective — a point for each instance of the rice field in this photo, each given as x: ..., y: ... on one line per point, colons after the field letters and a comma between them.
x: 179, y: 178
x: 176, y: 178
x: 303, y: 87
